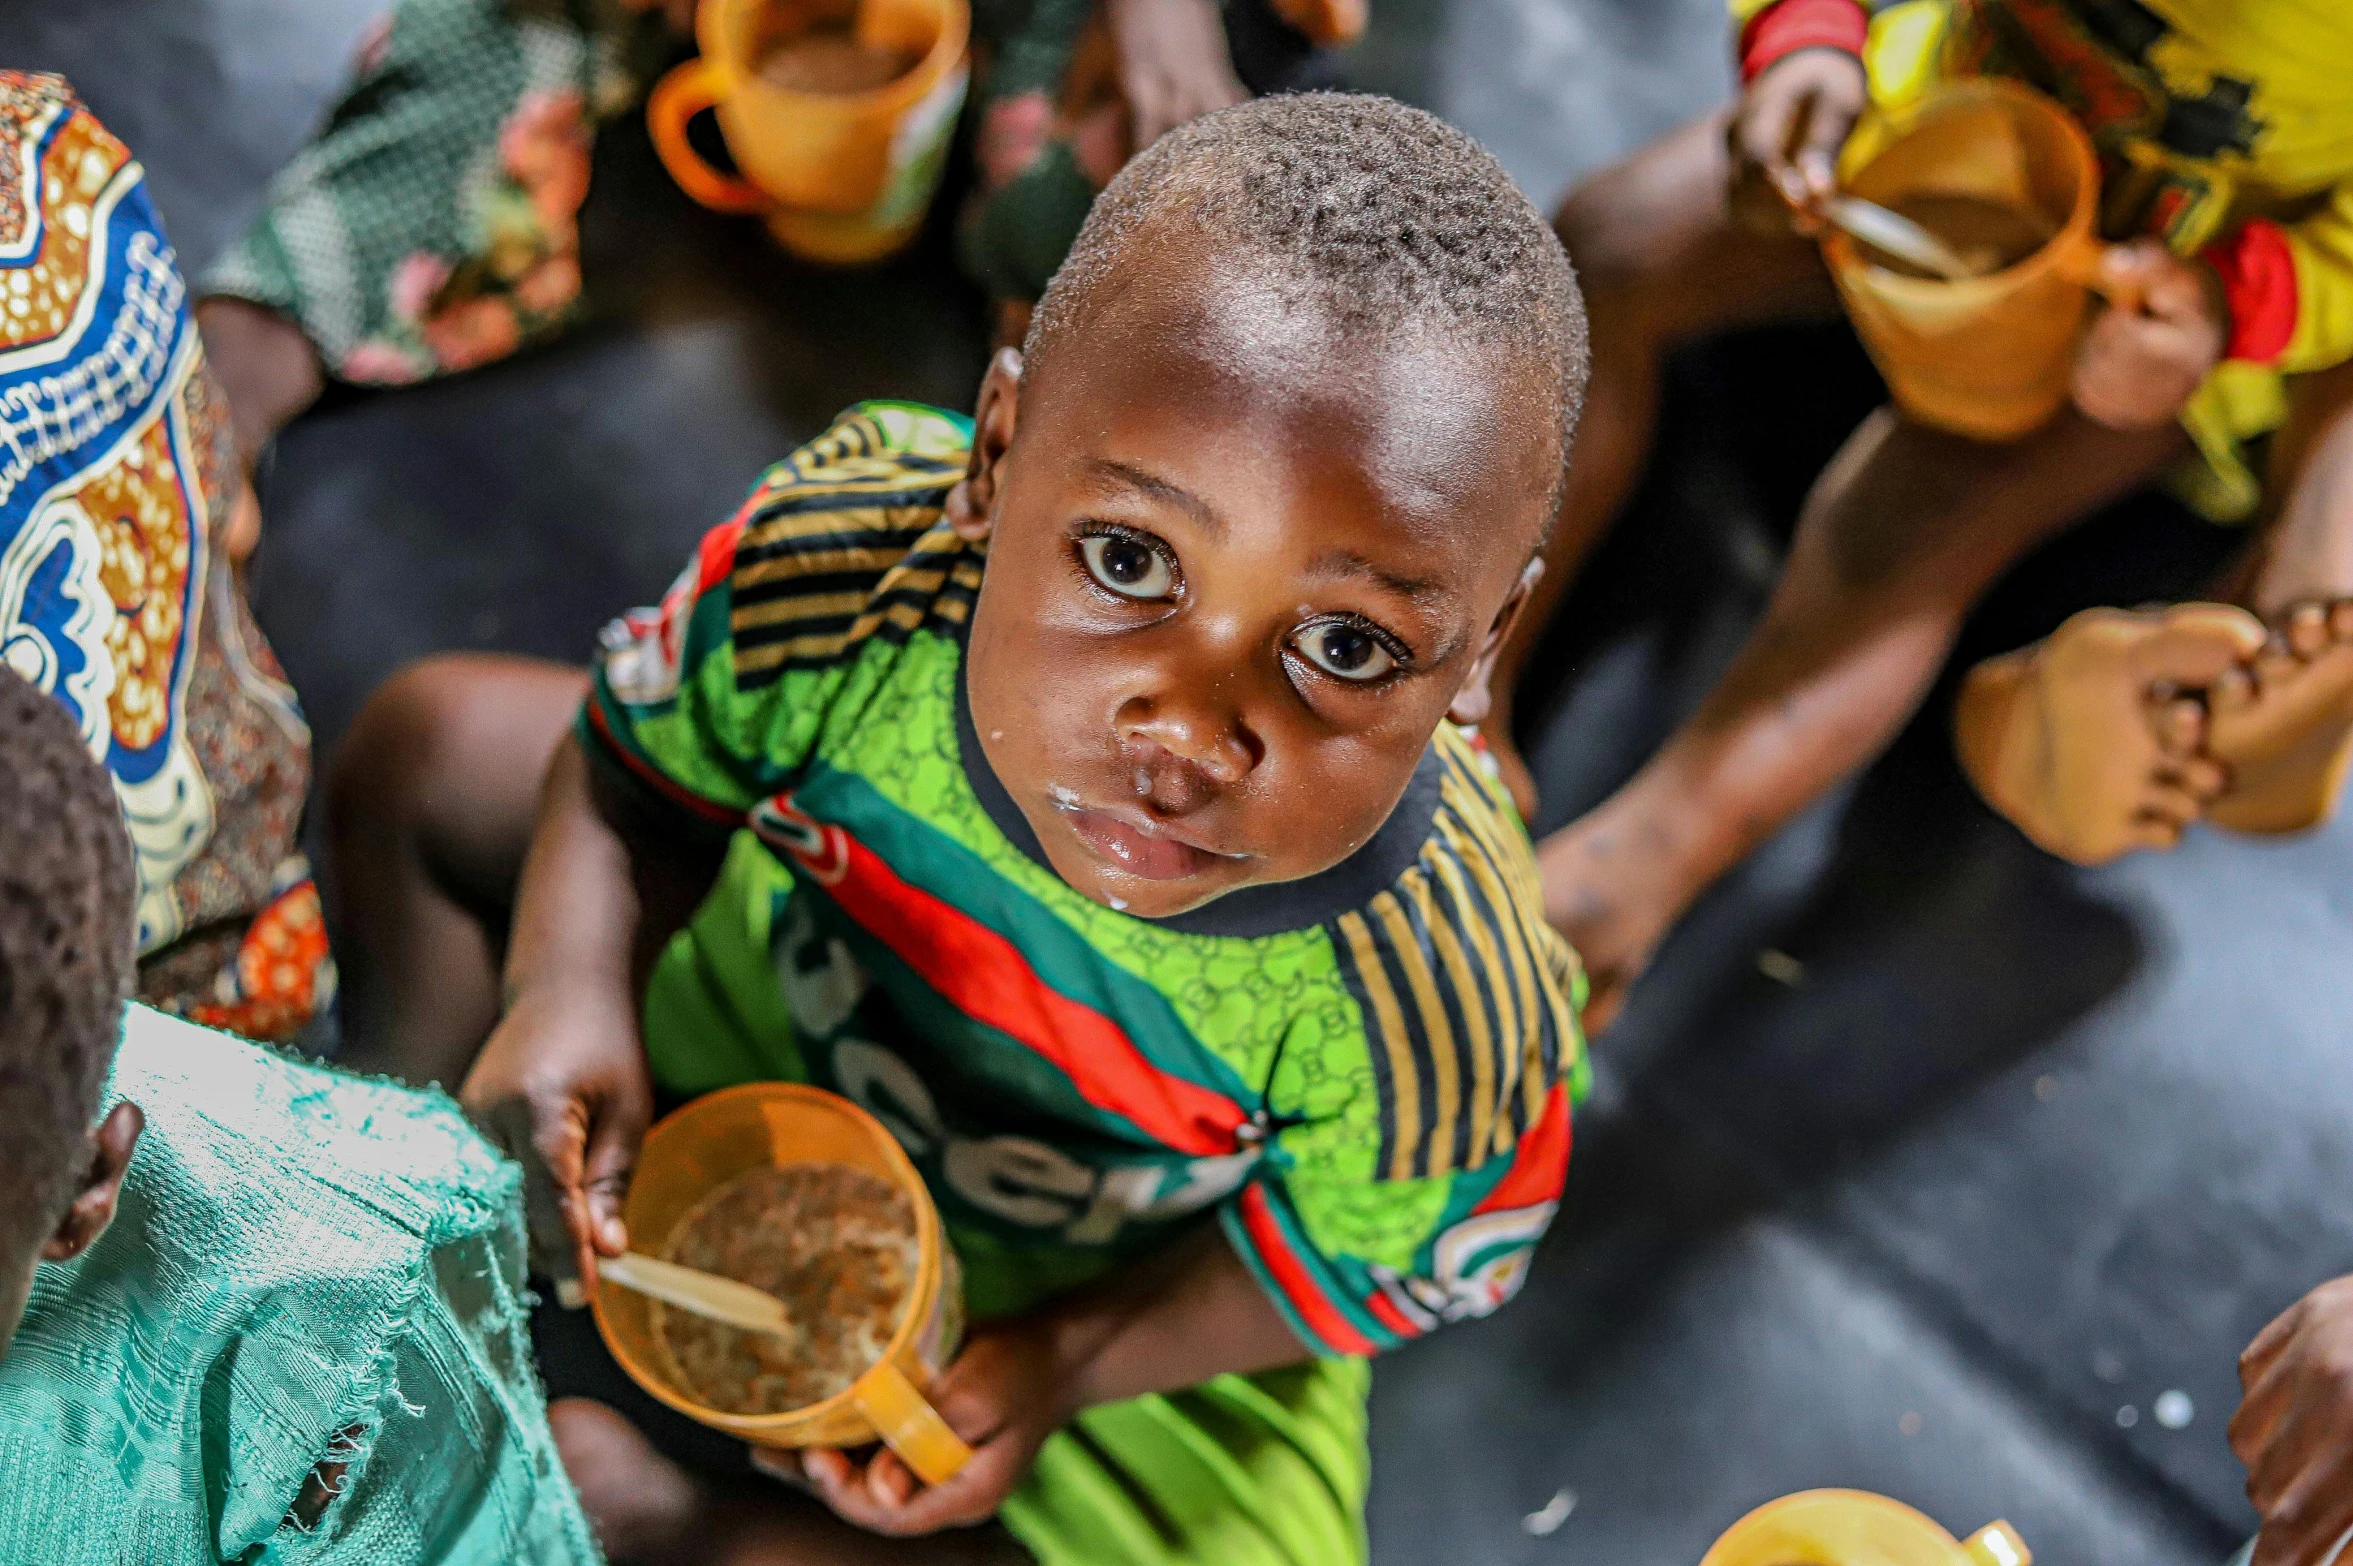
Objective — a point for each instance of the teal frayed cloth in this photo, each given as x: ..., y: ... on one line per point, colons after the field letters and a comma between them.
x: 306, y: 1267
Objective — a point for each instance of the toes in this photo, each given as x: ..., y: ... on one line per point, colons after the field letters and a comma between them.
x: 2150, y: 832
x: 2180, y: 723
x: 2233, y: 690
x: 2192, y: 644
x: 2201, y: 776
x: 2171, y: 804
x: 2340, y: 619
x: 2306, y: 630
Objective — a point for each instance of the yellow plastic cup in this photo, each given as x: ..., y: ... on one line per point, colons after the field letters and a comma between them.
x: 1857, y: 1528
x: 1988, y: 357
x: 840, y: 177
x: 711, y: 1141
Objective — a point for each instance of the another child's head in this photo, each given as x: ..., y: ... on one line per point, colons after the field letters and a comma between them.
x: 66, y: 964
x: 1266, y: 493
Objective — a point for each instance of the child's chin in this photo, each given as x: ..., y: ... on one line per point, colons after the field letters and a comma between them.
x: 1151, y: 899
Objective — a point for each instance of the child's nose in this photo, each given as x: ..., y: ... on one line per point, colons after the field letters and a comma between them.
x: 1201, y: 736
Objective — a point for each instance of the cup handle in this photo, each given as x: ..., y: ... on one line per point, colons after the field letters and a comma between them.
x: 678, y: 97
x: 908, y: 1424
x: 1998, y: 1544
x: 2082, y: 263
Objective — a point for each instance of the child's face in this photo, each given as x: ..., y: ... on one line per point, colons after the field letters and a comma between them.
x: 1239, y: 571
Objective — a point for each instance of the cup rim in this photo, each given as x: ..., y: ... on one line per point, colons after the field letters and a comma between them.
x: 1907, y: 120
x: 1870, y: 1500
x: 711, y: 39
x: 931, y: 1241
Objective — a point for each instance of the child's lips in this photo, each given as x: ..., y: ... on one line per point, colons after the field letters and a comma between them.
x: 1139, y: 845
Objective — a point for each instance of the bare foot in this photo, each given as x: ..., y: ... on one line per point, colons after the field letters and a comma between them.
x: 2092, y: 741
x: 2284, y: 723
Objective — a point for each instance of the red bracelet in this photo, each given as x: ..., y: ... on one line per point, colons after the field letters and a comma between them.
x: 1787, y: 26
x: 2258, y: 273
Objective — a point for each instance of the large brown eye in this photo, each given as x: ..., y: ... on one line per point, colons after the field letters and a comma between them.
x: 1127, y: 566
x: 1345, y: 651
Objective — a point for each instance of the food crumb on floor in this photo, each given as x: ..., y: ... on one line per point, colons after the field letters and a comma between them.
x: 1544, y: 1522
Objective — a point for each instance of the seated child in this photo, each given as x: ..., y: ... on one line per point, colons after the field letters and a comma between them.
x: 2226, y: 136
x: 1084, y: 803
x: 122, y: 510
x: 249, y: 1310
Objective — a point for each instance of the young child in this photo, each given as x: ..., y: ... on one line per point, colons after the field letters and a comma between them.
x: 249, y: 1310
x: 1086, y: 805
x: 2226, y: 136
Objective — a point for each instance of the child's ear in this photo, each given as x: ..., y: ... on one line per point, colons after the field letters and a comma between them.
x: 110, y: 1148
x: 1473, y: 700
x: 972, y: 504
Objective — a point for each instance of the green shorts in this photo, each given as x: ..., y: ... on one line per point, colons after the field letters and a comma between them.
x: 1264, y: 1470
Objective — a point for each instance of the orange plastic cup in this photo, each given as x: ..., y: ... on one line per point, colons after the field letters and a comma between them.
x: 840, y: 177
x: 1987, y: 357
x: 718, y: 1137
x: 1857, y: 1528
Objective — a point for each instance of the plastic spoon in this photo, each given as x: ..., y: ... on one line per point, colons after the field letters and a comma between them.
x: 706, y: 1294
x: 1904, y: 239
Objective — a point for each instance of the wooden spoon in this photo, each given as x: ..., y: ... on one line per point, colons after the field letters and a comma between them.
x: 704, y: 1293
x: 1904, y: 239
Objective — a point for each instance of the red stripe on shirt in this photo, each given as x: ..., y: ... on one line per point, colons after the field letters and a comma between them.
x: 1540, y: 1165
x: 1787, y: 26
x: 1321, y: 1317
x: 2258, y: 272
x: 984, y: 975
x: 715, y: 559
x: 1385, y: 1312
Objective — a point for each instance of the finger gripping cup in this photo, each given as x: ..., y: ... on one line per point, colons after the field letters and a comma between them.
x: 1988, y: 357
x: 721, y: 1135
x: 1856, y: 1528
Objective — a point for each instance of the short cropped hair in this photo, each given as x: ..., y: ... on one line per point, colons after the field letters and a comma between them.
x: 67, y: 908
x: 1387, y: 215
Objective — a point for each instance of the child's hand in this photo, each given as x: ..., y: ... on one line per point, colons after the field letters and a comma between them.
x: 562, y: 1086
x: 2137, y: 366
x: 1791, y: 122
x: 2295, y: 1429
x: 1004, y: 1395
x: 1174, y: 63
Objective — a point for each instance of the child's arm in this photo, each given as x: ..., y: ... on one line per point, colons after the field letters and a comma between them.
x: 1172, y: 1320
x: 563, y: 1084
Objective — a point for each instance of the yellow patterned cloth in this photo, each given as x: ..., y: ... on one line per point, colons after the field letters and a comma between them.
x: 117, y: 468
x: 2207, y: 114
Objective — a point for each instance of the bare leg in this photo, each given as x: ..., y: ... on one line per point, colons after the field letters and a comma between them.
x: 266, y: 366
x: 430, y: 805
x: 1662, y: 260
x: 1904, y: 530
x: 649, y: 1512
x: 2284, y: 724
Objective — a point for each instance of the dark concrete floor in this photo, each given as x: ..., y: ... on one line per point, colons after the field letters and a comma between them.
x: 2007, y: 1150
